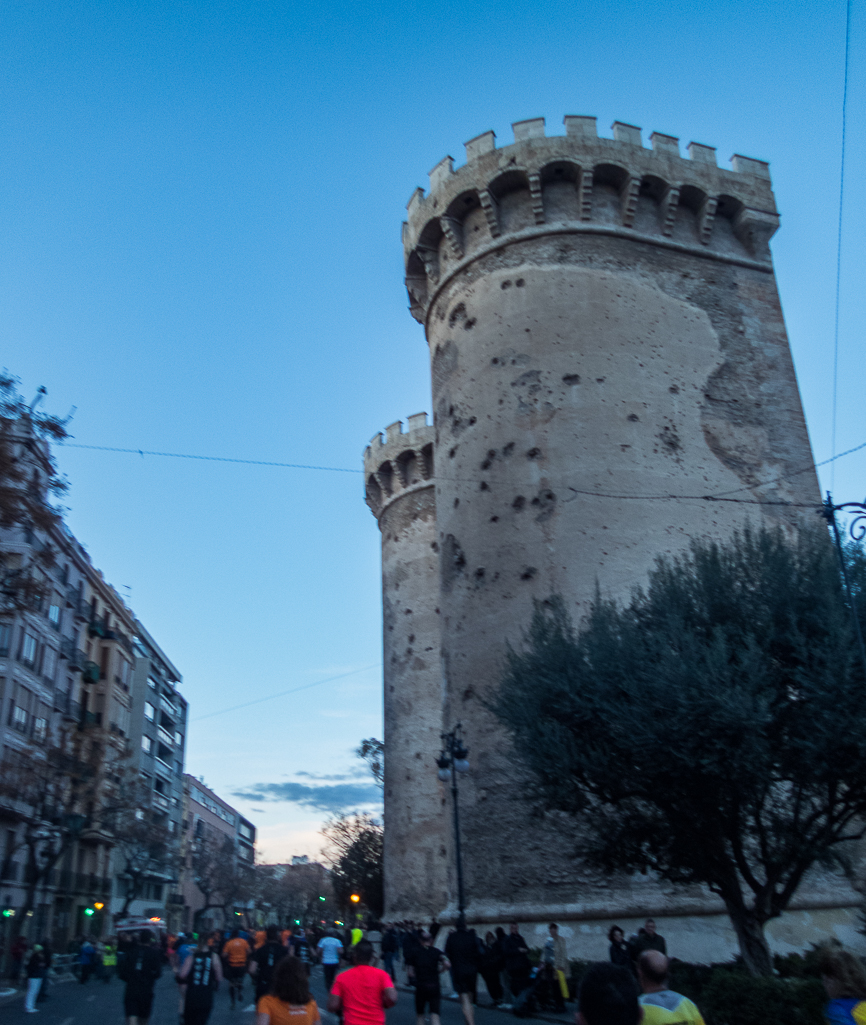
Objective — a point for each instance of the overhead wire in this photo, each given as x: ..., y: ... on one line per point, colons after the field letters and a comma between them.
x: 209, y: 459
x: 719, y: 496
x: 285, y: 693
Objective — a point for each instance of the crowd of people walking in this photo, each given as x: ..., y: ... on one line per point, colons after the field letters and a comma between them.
x: 632, y: 987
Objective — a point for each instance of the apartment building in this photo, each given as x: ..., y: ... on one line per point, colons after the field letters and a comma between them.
x: 157, y: 744
x: 218, y: 853
x: 42, y: 663
x: 79, y: 677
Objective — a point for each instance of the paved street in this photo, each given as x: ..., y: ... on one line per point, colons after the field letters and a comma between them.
x: 70, y: 1003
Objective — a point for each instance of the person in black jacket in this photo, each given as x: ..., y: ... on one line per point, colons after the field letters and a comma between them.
x: 140, y: 969
x: 462, y: 950
x: 490, y: 966
x: 390, y: 949
x: 647, y: 939
x: 517, y: 962
x: 424, y: 969
x: 265, y: 960
x: 619, y: 949
x: 35, y: 974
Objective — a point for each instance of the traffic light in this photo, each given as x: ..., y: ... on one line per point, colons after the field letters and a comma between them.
x: 9, y: 912
x: 98, y: 905
x: 355, y: 898
x: 322, y: 898
x: 89, y: 912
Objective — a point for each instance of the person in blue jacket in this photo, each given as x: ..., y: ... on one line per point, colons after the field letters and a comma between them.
x: 844, y: 978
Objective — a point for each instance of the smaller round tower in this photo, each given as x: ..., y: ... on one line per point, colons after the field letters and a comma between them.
x: 399, y: 486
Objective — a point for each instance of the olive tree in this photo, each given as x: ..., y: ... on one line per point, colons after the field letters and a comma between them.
x: 712, y: 729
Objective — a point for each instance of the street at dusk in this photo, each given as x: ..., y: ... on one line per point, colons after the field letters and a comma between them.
x: 432, y: 513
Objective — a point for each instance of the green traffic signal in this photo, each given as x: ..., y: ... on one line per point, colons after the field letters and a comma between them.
x: 89, y: 911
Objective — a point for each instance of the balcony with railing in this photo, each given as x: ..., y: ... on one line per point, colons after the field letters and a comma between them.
x: 74, y: 656
x: 68, y: 708
x: 167, y: 706
x: 75, y: 602
x: 84, y: 883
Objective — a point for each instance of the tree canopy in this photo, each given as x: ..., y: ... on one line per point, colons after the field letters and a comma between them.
x: 355, y: 853
x: 28, y: 480
x: 712, y: 730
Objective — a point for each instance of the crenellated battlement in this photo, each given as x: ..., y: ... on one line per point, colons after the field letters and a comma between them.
x: 398, y: 462
x: 582, y: 182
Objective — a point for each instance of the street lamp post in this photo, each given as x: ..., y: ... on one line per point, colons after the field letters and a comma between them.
x: 857, y: 531
x: 453, y: 759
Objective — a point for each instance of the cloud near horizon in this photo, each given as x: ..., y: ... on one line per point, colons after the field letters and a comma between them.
x: 336, y: 778
x: 335, y: 797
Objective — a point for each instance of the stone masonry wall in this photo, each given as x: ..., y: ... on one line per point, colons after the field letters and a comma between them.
x: 400, y: 493
x: 607, y: 348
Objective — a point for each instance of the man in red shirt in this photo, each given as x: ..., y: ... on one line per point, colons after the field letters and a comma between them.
x: 362, y: 993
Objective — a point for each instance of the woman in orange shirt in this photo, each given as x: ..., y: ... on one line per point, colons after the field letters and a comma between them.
x: 289, y: 1002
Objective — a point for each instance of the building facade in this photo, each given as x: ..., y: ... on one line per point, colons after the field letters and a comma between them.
x: 69, y: 661
x: 607, y: 347
x: 157, y: 744
x: 218, y: 857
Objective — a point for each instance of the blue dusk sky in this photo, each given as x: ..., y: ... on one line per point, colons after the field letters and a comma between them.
x: 200, y: 209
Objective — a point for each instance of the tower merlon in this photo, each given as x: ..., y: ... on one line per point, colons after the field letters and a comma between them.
x: 665, y: 143
x: 627, y: 133
x: 481, y: 144
x: 702, y: 154
x: 579, y: 126
x: 748, y: 165
x: 532, y: 128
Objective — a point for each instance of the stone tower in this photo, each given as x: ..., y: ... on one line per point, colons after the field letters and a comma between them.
x: 399, y: 475
x: 607, y: 348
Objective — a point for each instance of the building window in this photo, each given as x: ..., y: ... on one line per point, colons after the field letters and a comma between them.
x: 163, y: 754
x: 49, y: 663
x: 54, y: 615
x: 149, y: 711
x: 28, y: 650
x: 40, y: 729
x: 19, y: 719
x: 146, y: 744
x: 178, y: 739
x: 5, y: 639
x: 124, y: 671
